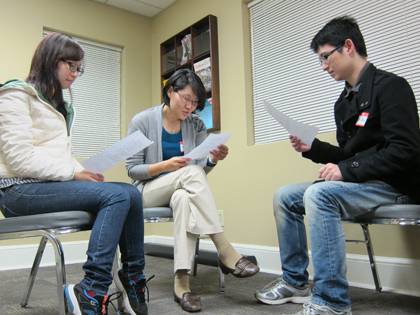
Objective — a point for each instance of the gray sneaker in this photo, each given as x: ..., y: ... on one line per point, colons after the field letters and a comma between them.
x: 279, y: 292
x: 315, y: 309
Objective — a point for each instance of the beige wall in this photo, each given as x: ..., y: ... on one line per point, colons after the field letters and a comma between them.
x: 243, y: 184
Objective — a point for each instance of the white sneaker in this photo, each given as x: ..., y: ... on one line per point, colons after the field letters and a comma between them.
x: 279, y: 292
x: 315, y: 309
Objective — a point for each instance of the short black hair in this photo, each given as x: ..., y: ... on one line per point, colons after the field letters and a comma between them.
x: 335, y: 33
x: 179, y: 80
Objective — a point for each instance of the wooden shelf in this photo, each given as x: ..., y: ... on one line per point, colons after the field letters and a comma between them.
x: 196, y: 47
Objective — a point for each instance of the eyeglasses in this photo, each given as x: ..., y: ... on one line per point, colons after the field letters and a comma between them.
x: 74, y: 67
x: 323, y: 58
x: 188, y: 99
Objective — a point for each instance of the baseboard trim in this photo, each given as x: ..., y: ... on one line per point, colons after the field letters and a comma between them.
x: 399, y: 275
x: 22, y: 256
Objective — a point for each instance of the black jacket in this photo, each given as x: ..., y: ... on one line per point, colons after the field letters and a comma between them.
x: 387, y: 147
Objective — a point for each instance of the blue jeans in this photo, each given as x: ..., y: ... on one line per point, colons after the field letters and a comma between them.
x: 326, y: 203
x: 119, y: 220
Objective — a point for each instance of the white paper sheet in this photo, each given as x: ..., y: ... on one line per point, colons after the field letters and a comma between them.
x: 301, y: 130
x: 212, y: 142
x: 119, y: 151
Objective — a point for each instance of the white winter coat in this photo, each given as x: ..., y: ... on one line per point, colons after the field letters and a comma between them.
x: 34, y: 138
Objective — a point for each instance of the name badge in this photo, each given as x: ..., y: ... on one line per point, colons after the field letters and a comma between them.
x: 181, y: 146
x: 363, y: 117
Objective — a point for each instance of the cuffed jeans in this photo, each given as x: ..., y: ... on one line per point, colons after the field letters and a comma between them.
x: 119, y: 220
x: 326, y: 203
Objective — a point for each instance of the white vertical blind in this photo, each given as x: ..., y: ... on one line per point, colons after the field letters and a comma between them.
x: 287, y: 73
x: 96, y: 99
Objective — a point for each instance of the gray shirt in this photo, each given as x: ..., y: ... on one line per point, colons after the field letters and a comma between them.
x: 149, y: 122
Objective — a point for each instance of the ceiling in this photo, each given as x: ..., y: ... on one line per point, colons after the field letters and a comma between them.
x: 143, y: 7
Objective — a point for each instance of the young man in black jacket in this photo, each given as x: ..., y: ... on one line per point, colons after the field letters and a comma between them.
x: 376, y: 162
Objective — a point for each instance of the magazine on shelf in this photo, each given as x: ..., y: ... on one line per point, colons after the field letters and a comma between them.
x: 203, y: 70
x: 169, y: 59
x: 186, y: 49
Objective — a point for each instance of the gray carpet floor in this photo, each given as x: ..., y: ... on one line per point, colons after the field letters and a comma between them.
x: 238, y: 298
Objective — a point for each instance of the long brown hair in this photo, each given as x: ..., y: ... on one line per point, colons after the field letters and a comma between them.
x: 55, y: 47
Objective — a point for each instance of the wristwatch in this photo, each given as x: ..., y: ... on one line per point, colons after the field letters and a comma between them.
x: 210, y: 162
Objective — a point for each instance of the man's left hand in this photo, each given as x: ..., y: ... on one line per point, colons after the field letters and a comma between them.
x: 330, y: 171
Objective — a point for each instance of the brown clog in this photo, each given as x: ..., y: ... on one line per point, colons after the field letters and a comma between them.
x: 244, y: 268
x: 190, y: 302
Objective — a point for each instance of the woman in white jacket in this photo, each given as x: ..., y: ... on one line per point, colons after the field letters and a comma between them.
x: 39, y: 175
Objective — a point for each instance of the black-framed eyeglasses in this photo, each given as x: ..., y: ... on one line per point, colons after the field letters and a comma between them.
x: 74, y: 67
x: 323, y: 58
x: 188, y: 100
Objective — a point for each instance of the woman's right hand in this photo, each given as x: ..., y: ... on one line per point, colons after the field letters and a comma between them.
x: 88, y: 176
x: 175, y: 163
x: 167, y: 166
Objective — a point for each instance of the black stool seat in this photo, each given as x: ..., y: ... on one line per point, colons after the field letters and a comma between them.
x: 400, y: 212
x: 157, y: 212
x: 46, y: 221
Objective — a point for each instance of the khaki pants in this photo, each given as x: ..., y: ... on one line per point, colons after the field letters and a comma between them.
x: 188, y: 193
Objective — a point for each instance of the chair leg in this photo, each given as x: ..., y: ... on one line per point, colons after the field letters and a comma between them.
x: 371, y: 255
x: 60, y: 271
x: 115, y: 268
x: 221, y: 281
x: 197, y: 251
x: 34, y: 271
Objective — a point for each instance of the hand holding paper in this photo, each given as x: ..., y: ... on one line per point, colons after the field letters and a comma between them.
x: 301, y: 130
x: 210, y: 143
x: 298, y: 145
x: 219, y: 153
x: 119, y: 151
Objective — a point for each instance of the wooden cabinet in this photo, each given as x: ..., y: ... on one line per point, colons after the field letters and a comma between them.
x: 196, y: 47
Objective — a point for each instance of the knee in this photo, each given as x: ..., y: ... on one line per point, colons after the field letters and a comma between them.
x: 178, y: 197
x: 135, y: 194
x: 286, y: 198
x: 134, y: 197
x: 193, y: 172
x: 320, y: 197
x: 279, y: 200
x: 118, y: 194
x: 314, y: 194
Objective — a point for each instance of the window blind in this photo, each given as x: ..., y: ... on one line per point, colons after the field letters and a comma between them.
x: 287, y: 73
x: 96, y: 99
